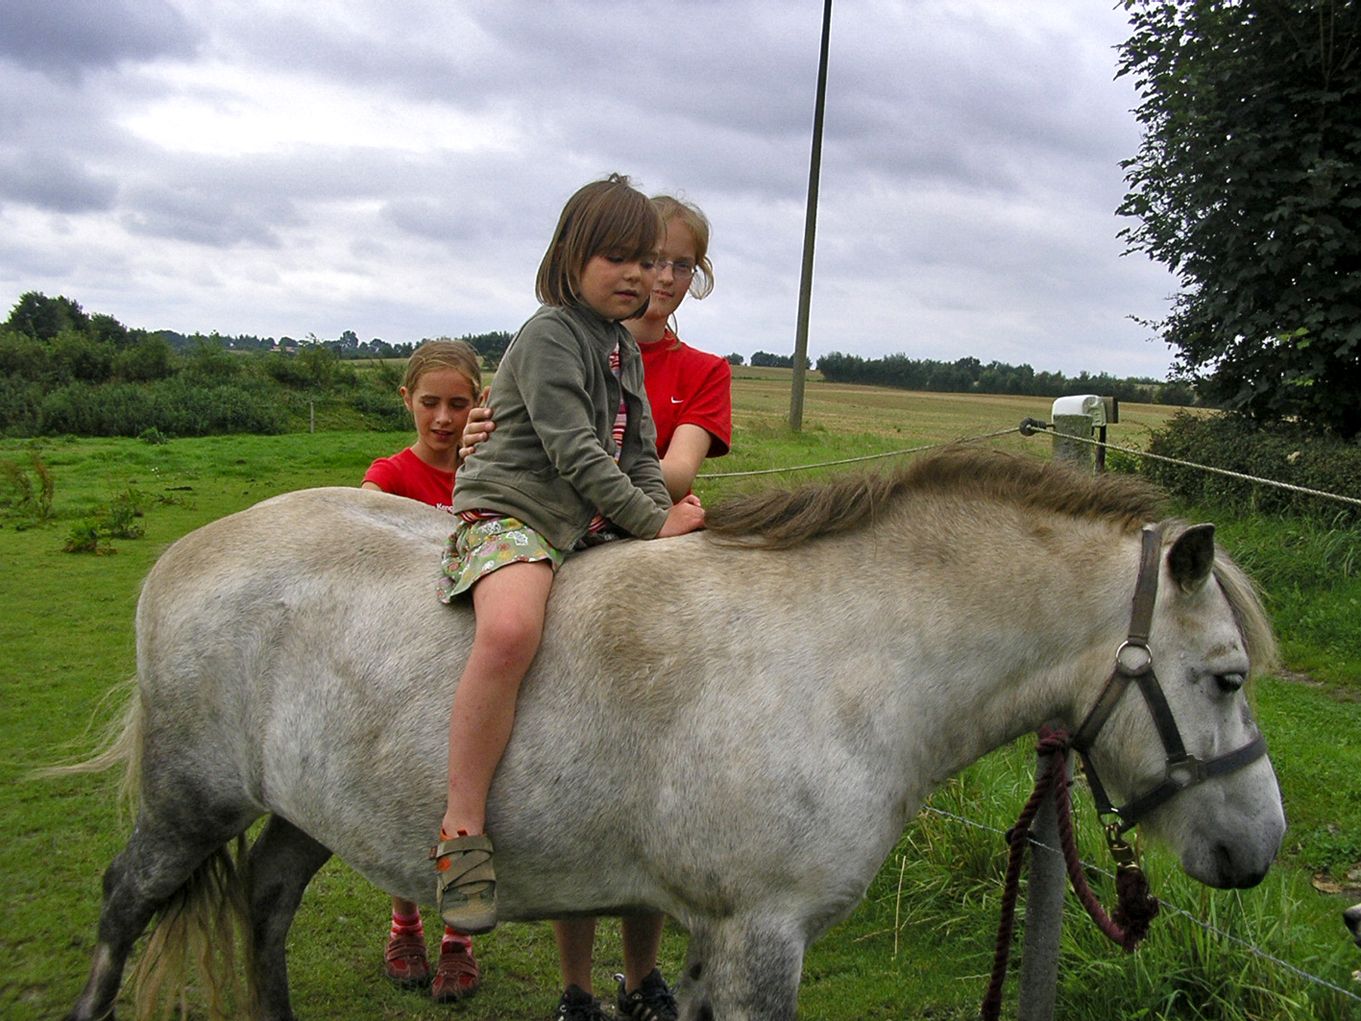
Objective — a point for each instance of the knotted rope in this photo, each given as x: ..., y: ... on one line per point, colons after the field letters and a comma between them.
x: 1135, y: 907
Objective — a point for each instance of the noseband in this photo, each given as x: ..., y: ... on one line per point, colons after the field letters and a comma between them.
x: 1134, y: 662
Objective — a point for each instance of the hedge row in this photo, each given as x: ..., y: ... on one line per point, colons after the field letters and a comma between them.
x: 1290, y: 455
x: 173, y: 407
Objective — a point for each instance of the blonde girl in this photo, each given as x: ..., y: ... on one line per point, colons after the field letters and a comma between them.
x: 443, y: 383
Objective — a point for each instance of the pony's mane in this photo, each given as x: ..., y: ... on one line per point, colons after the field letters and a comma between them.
x: 780, y: 518
x: 1251, y: 616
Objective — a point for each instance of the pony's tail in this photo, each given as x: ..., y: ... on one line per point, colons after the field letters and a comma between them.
x: 195, y: 932
x: 195, y: 935
x: 120, y: 744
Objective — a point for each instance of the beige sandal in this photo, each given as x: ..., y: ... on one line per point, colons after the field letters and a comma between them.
x: 465, y: 884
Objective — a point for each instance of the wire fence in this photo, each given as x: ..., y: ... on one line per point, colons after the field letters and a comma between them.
x: 1029, y: 427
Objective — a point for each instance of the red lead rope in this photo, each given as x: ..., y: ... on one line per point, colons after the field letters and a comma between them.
x: 1135, y: 907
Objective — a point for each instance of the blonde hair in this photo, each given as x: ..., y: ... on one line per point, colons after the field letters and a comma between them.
x: 670, y: 208
x: 443, y: 353
x: 608, y: 216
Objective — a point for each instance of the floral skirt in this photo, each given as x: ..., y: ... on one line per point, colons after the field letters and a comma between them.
x: 477, y: 548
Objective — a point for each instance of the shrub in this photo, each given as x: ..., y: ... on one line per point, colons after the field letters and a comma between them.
x: 286, y: 369
x: 148, y: 359
x: 75, y: 356
x: 383, y: 408
x: 1284, y: 454
x: 22, y: 357
x: 20, y: 402
x: 174, y: 407
x: 211, y: 364
x: 119, y: 519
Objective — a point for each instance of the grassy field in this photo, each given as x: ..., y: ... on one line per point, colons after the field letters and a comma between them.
x: 919, y: 947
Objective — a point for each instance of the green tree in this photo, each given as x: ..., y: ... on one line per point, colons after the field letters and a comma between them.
x: 42, y: 318
x: 1247, y: 183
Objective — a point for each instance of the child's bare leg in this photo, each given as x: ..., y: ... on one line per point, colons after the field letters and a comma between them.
x: 576, y: 945
x: 642, y: 942
x: 509, y: 606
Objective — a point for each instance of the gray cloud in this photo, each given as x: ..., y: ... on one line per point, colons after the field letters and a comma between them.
x: 969, y: 167
x: 70, y: 37
x: 53, y: 180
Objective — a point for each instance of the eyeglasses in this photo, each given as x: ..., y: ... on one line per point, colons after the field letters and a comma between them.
x: 680, y: 269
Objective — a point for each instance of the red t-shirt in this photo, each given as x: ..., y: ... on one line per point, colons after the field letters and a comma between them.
x: 405, y: 474
x: 688, y: 387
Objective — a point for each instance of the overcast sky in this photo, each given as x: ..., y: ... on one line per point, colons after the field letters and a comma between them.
x: 395, y: 168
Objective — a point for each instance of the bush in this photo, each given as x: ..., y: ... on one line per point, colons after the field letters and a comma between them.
x: 75, y: 356
x: 22, y: 357
x: 1284, y: 454
x: 20, y: 402
x: 148, y: 359
x: 209, y: 364
x: 173, y: 407
x: 383, y: 408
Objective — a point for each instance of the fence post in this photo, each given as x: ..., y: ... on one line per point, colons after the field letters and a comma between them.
x: 1077, y: 416
x: 1043, y: 913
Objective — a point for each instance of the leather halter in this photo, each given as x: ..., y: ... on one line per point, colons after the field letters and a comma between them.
x: 1134, y: 662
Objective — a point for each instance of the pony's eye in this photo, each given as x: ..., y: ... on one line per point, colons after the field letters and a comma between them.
x: 1229, y: 683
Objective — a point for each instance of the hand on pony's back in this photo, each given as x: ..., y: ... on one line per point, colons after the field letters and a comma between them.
x: 685, y: 516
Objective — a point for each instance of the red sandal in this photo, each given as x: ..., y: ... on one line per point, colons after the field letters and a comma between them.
x: 457, y: 974
x: 404, y: 960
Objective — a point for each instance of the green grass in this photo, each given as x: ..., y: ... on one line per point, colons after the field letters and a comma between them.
x: 920, y: 944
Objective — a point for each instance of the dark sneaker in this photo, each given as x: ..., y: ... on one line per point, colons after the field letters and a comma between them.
x: 578, y: 1005
x: 652, y: 1001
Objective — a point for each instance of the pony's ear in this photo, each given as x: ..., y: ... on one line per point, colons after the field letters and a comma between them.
x: 1192, y: 556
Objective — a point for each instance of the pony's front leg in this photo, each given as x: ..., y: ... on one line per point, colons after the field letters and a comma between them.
x: 282, y: 862
x: 743, y: 968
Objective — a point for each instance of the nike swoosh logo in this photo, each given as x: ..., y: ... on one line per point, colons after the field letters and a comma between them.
x: 677, y: 400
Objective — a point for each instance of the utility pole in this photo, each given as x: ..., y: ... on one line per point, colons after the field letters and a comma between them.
x: 809, y: 229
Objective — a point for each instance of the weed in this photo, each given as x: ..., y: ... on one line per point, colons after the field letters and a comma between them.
x: 29, y: 499
x: 87, y: 537
x: 115, y: 520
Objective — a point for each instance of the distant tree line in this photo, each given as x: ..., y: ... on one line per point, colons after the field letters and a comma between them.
x: 764, y: 359
x: 969, y: 375
x: 491, y: 346
x: 63, y: 370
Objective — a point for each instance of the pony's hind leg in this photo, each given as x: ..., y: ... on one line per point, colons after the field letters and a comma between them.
x: 157, y: 862
x: 743, y: 969
x: 282, y: 862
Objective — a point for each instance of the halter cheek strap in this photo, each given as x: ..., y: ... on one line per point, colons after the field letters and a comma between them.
x: 1134, y: 662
